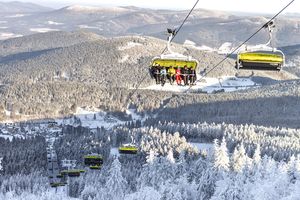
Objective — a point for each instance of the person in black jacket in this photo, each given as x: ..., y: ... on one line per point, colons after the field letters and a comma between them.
x: 151, y: 71
x: 185, y: 74
x: 156, y: 73
x: 163, y: 76
x: 192, y: 76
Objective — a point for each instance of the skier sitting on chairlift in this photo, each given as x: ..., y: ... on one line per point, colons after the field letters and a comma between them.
x: 171, y: 75
x: 163, y: 76
x: 178, y: 76
x: 185, y: 74
x: 192, y: 76
x: 156, y: 74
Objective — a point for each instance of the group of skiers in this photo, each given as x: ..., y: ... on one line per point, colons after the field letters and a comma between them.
x: 185, y: 74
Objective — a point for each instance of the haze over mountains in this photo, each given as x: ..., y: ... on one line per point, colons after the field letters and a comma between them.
x: 21, y: 7
x: 204, y: 27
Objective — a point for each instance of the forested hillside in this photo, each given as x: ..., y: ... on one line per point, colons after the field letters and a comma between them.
x: 54, y: 79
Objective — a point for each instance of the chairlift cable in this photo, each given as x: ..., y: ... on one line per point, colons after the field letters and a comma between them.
x: 231, y: 53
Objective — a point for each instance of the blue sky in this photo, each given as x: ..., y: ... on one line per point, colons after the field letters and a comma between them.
x: 259, y: 6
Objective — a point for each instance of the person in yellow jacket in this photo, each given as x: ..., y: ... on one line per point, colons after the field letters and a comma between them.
x: 171, y: 74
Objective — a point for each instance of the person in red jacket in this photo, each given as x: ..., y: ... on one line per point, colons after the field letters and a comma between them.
x: 178, y: 76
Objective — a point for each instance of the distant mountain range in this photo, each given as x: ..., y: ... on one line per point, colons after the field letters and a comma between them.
x: 204, y: 27
x: 21, y: 7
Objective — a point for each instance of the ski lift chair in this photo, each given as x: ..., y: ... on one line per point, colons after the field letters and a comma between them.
x: 172, y: 58
x: 261, y: 57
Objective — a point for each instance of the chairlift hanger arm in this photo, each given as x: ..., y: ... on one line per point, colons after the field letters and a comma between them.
x: 175, y: 31
x: 269, y: 25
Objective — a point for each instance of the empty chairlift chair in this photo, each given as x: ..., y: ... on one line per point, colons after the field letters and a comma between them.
x: 72, y: 172
x: 55, y: 184
x: 261, y: 57
x: 59, y: 176
x: 128, y: 149
x: 94, y: 161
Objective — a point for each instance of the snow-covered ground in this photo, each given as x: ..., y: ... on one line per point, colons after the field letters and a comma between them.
x: 91, y: 118
x: 5, y: 35
x: 54, y: 23
x: 129, y: 45
x: 10, y: 137
x: 191, y: 44
x: 124, y: 58
x: 295, y: 62
x: 209, y: 85
x: 203, y: 146
x: 135, y: 116
x: 7, y: 112
x: 7, y: 135
x: 81, y: 8
x: 225, y: 48
x: 114, y: 152
x: 16, y: 15
x: 89, y: 27
x: 42, y: 30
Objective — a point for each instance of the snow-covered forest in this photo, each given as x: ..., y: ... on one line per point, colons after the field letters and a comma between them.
x: 245, y: 162
x: 83, y: 118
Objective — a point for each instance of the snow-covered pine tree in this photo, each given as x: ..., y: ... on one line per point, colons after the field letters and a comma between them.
x: 181, y: 166
x: 208, y: 175
x: 180, y: 189
x: 170, y: 156
x: 238, y: 159
x: 256, y: 155
x: 157, y: 173
x: 116, y: 185
x: 231, y: 186
x: 89, y: 192
x: 151, y: 157
x: 221, y: 159
x: 145, y: 193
